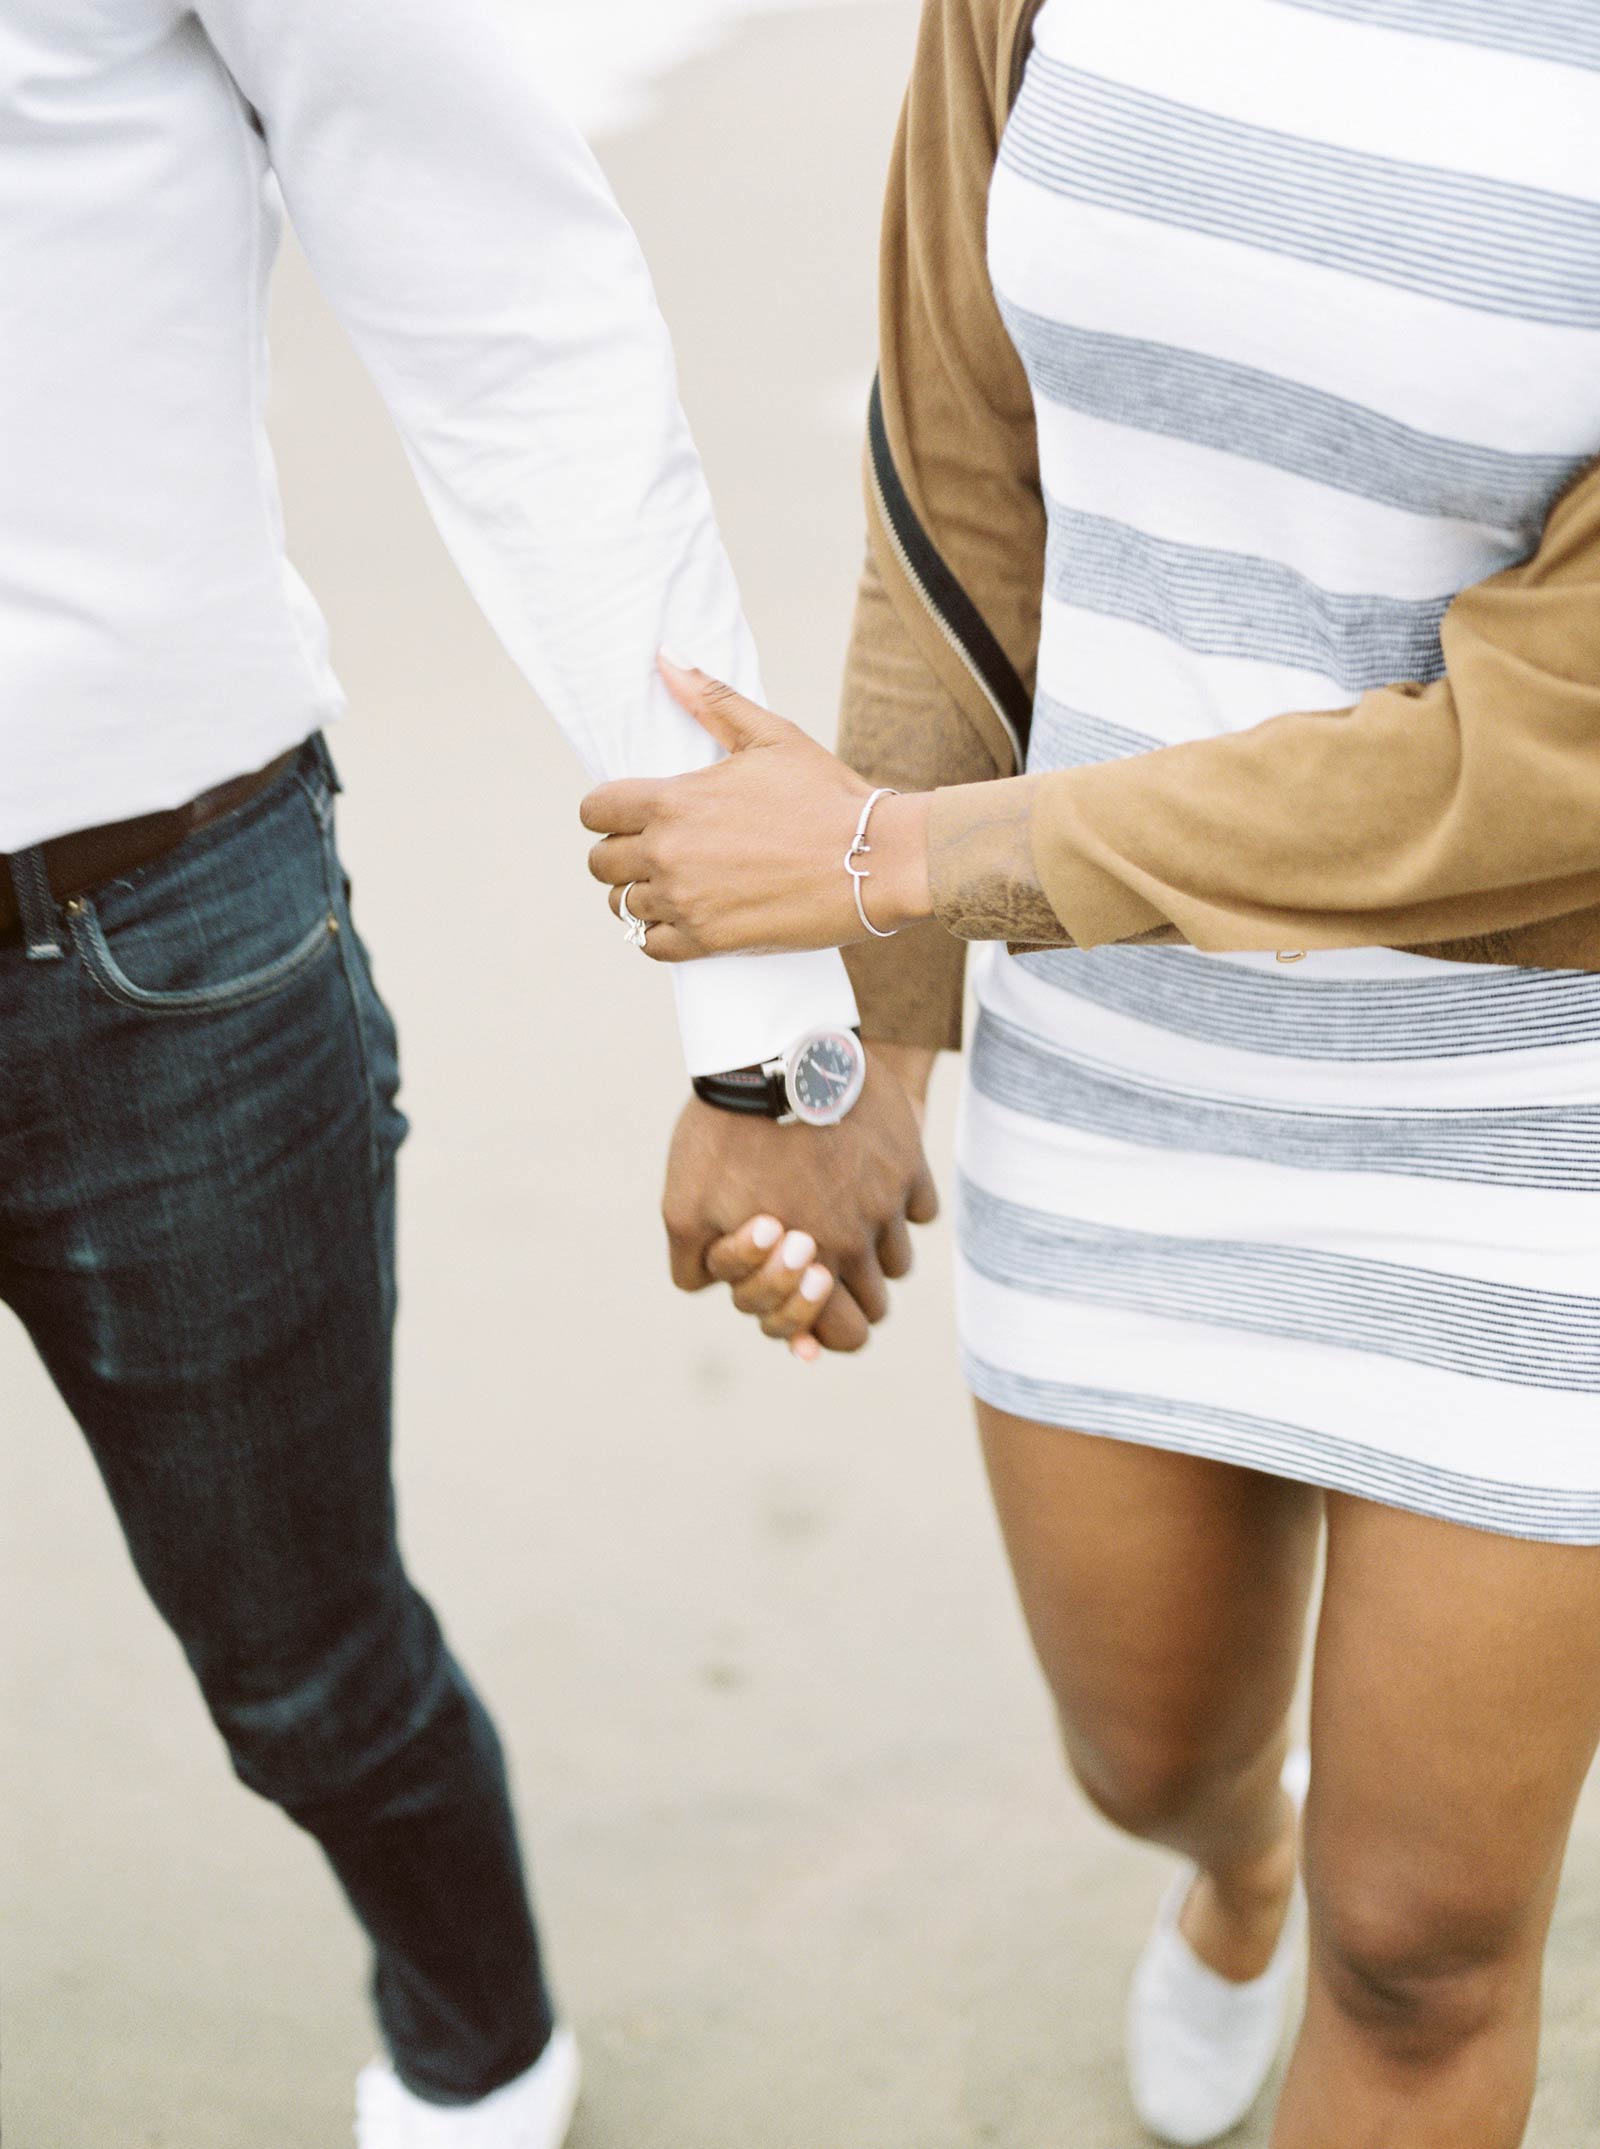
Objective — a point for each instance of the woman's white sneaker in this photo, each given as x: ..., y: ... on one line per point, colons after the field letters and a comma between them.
x: 1201, y: 2046
x: 533, y: 2112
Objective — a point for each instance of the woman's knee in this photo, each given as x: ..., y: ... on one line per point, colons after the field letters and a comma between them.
x: 1154, y: 1786
x: 1422, y: 1970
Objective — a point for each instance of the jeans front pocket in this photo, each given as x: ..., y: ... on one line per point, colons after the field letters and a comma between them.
x: 230, y: 918
x: 103, y: 967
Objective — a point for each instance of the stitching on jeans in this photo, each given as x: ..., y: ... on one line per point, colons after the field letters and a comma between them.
x: 384, y: 1271
x: 333, y: 877
x: 94, y: 951
x: 89, y: 938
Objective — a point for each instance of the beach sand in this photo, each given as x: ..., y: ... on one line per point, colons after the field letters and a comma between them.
x: 810, y: 1872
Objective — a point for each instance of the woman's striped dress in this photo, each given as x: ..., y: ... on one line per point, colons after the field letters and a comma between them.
x: 1309, y: 295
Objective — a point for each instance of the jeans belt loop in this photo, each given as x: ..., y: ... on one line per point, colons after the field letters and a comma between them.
x: 330, y: 775
x: 41, y: 923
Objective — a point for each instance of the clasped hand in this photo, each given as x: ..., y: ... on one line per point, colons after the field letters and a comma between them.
x: 748, y: 855
x: 808, y: 1224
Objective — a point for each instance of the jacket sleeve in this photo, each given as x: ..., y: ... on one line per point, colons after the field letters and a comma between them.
x: 952, y: 482
x: 1418, y: 817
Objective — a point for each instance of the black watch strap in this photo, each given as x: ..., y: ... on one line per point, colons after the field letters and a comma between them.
x: 745, y: 1089
x: 751, y: 1089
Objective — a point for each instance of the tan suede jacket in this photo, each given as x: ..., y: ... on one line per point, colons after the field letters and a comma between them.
x: 1459, y: 819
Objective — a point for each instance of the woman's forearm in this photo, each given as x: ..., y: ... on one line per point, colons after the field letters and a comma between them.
x: 897, y: 892
x: 782, y: 846
x: 982, y: 877
x: 964, y: 856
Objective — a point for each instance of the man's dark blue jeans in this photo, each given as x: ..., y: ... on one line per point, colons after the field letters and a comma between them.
x: 198, y: 1132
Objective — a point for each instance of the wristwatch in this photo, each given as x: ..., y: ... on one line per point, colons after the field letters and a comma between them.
x: 815, y: 1082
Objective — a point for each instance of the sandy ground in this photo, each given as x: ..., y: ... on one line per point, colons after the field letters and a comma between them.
x: 808, y: 1866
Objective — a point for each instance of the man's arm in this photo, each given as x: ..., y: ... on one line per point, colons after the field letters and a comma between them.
x: 470, y: 244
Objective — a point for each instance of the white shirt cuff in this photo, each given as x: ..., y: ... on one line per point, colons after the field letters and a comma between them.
x: 735, y: 1010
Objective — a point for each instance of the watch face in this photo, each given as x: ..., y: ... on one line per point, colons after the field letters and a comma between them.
x: 825, y: 1077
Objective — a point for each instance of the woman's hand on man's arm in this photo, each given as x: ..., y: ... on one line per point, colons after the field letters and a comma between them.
x: 749, y: 854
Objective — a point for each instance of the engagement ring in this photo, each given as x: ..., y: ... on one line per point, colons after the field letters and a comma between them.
x: 635, y: 928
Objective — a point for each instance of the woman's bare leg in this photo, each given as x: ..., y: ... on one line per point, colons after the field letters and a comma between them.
x: 1166, y: 1596
x: 1456, y: 1709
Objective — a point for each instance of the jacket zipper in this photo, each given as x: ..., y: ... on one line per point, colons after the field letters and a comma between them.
x: 942, y: 597
x: 946, y: 631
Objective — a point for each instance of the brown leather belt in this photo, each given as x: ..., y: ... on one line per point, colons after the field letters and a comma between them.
x: 82, y: 861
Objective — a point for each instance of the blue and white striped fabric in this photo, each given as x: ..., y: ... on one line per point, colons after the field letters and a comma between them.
x: 1308, y: 292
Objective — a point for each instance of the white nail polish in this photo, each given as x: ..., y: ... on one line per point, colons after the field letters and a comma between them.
x: 815, y: 1284
x: 766, y: 1231
x: 680, y: 664
x: 797, y: 1250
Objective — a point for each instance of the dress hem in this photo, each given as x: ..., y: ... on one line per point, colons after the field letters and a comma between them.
x: 1540, y: 1514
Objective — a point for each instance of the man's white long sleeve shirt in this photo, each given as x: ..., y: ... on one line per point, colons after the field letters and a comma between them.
x: 154, y: 639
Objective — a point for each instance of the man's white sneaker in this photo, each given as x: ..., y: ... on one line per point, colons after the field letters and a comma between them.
x: 533, y: 2112
x: 1201, y: 2046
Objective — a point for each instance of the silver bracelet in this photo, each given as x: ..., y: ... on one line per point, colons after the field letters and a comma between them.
x: 861, y: 848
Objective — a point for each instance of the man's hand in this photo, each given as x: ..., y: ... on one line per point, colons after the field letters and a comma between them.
x: 851, y: 1190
